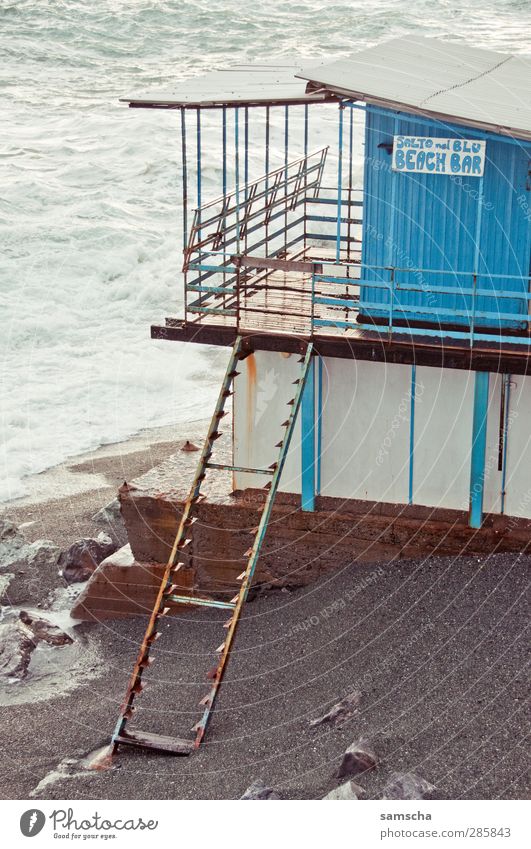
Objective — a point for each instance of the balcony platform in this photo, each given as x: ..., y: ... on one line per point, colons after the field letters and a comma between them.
x: 274, y: 312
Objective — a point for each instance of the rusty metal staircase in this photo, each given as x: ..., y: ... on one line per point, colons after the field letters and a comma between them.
x: 167, y: 594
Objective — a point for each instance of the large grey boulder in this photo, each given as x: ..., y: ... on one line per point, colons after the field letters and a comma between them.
x: 345, y: 792
x: 12, y: 542
x: 42, y: 629
x: 84, y: 556
x: 407, y: 785
x: 259, y: 790
x: 339, y: 712
x: 19, y: 636
x: 111, y: 521
x: 29, y: 570
x: 16, y: 646
x: 358, y: 758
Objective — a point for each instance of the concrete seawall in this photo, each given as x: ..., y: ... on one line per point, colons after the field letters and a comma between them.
x: 299, y: 548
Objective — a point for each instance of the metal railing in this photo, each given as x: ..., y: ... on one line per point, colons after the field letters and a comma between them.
x: 394, y: 315
x: 279, y: 215
x: 320, y: 296
x: 260, y: 260
x: 227, y: 221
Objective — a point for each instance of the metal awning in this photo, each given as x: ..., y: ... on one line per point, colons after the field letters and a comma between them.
x: 425, y: 76
x: 241, y: 85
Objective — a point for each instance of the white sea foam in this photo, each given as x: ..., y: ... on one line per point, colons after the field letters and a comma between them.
x: 90, y: 197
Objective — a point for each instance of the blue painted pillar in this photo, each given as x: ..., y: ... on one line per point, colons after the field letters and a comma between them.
x: 412, y: 433
x: 479, y: 442
x: 319, y: 425
x: 308, y: 432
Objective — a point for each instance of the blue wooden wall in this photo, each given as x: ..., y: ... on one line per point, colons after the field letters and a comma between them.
x: 426, y: 221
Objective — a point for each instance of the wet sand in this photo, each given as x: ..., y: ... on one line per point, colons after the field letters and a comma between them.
x: 64, y: 499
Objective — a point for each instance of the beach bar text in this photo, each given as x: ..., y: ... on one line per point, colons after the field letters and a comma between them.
x: 431, y: 155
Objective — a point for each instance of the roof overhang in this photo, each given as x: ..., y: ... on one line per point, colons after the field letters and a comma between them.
x: 240, y: 85
x: 453, y: 83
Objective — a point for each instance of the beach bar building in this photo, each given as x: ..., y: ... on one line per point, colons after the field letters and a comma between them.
x: 365, y: 259
x: 412, y: 284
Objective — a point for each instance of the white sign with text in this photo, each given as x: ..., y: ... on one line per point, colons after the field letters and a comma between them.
x: 432, y: 155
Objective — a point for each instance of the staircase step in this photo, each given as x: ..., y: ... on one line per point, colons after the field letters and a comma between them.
x: 196, y: 601
x: 166, y: 595
x: 242, y: 469
x: 158, y: 742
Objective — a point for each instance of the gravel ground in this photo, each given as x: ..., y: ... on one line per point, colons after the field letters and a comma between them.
x: 436, y: 647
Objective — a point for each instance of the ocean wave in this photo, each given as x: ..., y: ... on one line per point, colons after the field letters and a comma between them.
x: 90, y: 206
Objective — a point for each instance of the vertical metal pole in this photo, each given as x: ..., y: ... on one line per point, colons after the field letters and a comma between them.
x: 507, y: 394
x: 391, y: 302
x: 286, y: 138
x: 479, y: 442
x: 184, y: 200
x: 198, y: 157
x: 237, y: 201
x: 412, y: 431
x: 306, y: 138
x: 267, y: 135
x: 198, y: 154
x: 224, y: 147
x: 246, y: 146
x: 350, y: 184
x: 308, y: 441
x: 246, y: 165
x: 339, y: 183
x: 319, y: 424
x: 286, y: 160
x: 392, y: 241
x: 238, y: 304
x: 224, y: 186
x: 237, y: 174
x: 473, y: 317
x: 477, y: 251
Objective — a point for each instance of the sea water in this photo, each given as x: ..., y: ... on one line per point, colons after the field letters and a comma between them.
x: 90, y: 228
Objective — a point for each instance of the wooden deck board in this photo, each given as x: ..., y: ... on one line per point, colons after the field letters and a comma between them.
x: 281, y: 301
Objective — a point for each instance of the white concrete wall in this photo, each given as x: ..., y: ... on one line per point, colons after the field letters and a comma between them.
x: 261, y: 393
x: 518, y: 483
x: 493, y: 474
x: 443, y: 432
x: 366, y: 432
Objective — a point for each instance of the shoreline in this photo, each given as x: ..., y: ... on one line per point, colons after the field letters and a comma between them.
x: 64, y: 498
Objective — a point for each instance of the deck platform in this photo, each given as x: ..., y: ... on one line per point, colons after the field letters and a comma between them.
x: 274, y: 312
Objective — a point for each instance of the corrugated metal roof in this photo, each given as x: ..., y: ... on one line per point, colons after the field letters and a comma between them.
x: 239, y: 85
x: 430, y: 77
